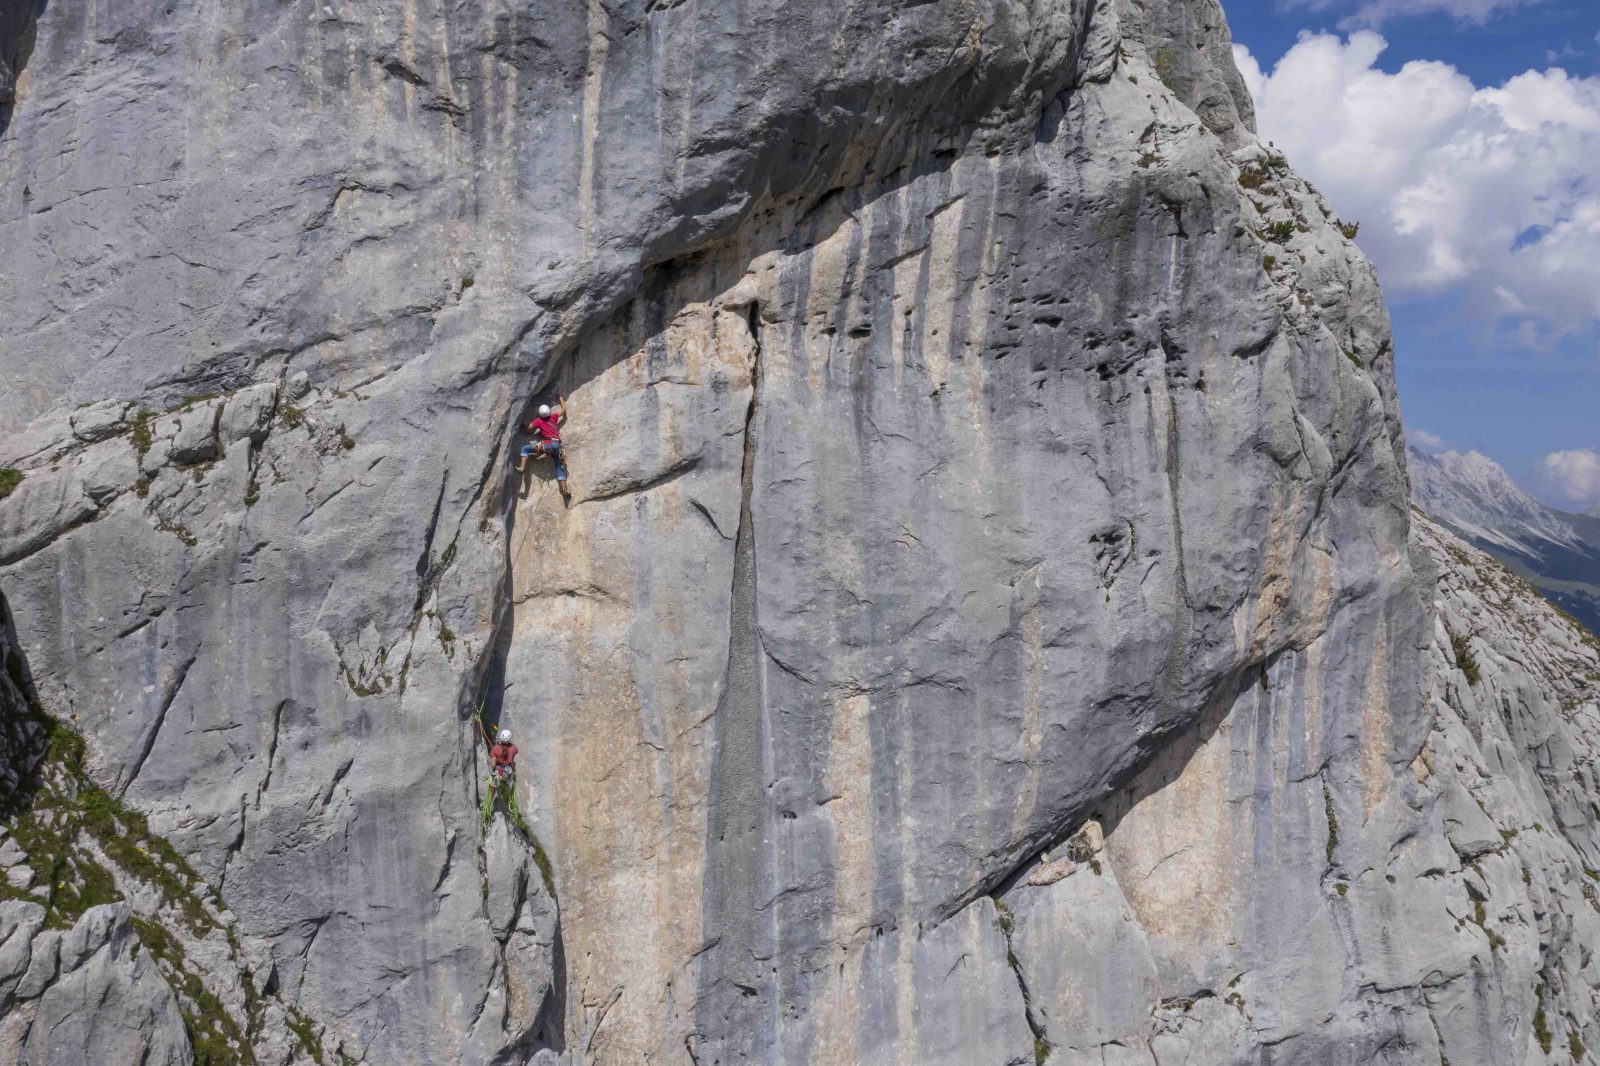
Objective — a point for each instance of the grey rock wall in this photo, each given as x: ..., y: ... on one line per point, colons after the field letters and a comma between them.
x: 996, y: 483
x: 986, y: 625
x: 85, y: 994
x: 301, y: 263
x: 1511, y: 759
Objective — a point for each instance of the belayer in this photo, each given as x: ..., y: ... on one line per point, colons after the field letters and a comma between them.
x: 546, y: 430
x: 502, y: 779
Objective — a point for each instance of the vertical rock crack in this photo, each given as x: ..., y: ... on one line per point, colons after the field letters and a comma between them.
x: 1041, y: 1042
x: 736, y: 789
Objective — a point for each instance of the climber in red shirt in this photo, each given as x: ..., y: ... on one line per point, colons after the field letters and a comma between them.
x: 546, y: 428
x: 502, y: 777
x: 503, y: 755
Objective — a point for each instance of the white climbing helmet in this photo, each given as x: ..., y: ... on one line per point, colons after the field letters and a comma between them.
x: 544, y: 410
x: 505, y: 736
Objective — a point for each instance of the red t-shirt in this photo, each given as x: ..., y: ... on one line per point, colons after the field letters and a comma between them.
x: 550, y: 427
x: 503, y: 755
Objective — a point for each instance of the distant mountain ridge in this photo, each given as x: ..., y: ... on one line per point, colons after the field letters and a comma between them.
x: 1557, y: 552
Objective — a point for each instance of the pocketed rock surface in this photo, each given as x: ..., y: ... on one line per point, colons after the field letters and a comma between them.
x: 988, y: 624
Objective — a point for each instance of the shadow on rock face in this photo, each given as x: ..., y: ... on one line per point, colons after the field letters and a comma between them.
x: 22, y: 740
x: 17, y: 21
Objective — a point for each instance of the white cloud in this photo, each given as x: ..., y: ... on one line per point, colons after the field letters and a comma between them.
x: 1375, y: 12
x: 1574, y: 474
x: 1428, y: 442
x: 1493, y: 192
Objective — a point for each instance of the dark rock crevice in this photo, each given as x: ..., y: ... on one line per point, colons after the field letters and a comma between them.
x: 1183, y: 609
x: 1041, y: 1038
x: 731, y: 973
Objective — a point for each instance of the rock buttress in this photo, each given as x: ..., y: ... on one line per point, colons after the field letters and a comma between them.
x: 1058, y: 472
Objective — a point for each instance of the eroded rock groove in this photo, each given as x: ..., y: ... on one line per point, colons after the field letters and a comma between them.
x: 735, y: 850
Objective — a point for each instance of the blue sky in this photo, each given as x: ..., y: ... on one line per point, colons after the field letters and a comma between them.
x: 1464, y: 135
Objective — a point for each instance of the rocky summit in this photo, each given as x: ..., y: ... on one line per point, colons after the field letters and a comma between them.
x: 1559, y: 553
x: 985, y: 623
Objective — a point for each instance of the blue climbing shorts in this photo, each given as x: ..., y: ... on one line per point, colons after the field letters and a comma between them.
x: 551, y: 448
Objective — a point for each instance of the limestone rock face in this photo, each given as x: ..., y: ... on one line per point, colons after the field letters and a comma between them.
x: 309, y: 260
x: 1515, y: 698
x: 907, y: 534
x: 985, y: 625
x: 86, y: 994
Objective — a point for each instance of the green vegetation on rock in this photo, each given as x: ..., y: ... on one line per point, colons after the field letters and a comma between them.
x: 1278, y: 232
x: 81, y: 841
x: 141, y: 436
x: 1462, y: 647
x: 1541, y: 1024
